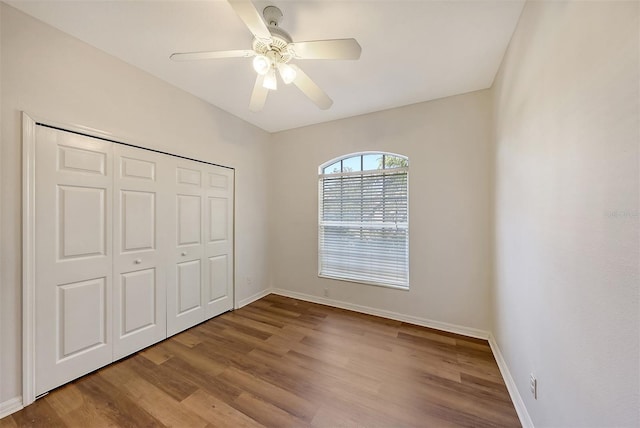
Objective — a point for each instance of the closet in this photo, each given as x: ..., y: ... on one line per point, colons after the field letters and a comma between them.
x: 131, y: 246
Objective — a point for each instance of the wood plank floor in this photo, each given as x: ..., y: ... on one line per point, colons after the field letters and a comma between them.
x: 281, y: 362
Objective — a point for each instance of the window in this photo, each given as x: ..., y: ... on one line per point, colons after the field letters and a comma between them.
x: 363, y: 219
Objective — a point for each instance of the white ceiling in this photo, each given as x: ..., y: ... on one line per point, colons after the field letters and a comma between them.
x: 412, y: 51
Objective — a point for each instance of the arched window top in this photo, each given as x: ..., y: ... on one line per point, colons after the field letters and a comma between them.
x: 367, y: 161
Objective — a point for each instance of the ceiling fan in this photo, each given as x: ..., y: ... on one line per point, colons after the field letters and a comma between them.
x: 273, y: 49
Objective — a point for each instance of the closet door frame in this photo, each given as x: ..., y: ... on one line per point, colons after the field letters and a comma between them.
x: 29, y: 123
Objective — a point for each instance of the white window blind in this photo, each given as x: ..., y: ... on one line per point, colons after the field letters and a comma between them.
x: 363, y: 226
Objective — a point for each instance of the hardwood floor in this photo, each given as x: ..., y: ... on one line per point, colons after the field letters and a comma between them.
x: 281, y: 362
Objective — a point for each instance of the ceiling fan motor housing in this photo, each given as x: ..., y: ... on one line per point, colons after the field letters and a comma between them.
x: 280, y: 39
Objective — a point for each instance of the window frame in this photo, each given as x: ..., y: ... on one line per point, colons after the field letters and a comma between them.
x: 322, y: 176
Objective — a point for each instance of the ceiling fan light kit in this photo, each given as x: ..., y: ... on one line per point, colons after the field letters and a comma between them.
x: 265, y: 65
x: 261, y: 64
x: 270, y: 81
x: 273, y: 49
x: 287, y: 73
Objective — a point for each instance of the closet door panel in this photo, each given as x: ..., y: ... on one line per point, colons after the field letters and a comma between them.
x: 189, y: 285
x: 81, y: 221
x: 73, y: 279
x: 189, y: 222
x: 139, y: 292
x: 139, y: 306
x: 218, y: 277
x: 81, y: 316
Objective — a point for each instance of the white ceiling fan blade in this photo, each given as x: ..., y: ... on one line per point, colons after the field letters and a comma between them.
x: 251, y: 18
x: 310, y: 89
x: 259, y: 95
x: 327, y: 49
x: 190, y: 56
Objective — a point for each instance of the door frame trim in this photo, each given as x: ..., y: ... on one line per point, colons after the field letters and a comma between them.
x: 28, y: 260
x: 29, y: 123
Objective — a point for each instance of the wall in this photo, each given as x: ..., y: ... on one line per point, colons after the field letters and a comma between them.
x: 55, y: 77
x: 566, y: 215
x: 448, y: 145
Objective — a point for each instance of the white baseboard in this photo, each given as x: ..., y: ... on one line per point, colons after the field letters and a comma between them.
x: 451, y: 328
x: 516, y: 398
x: 10, y: 406
x: 259, y: 295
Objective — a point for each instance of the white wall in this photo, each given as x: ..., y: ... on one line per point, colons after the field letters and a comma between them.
x: 566, y: 214
x: 55, y: 77
x: 448, y: 145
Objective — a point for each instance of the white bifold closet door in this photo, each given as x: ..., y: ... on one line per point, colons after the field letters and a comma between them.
x: 132, y: 246
x: 139, y: 239
x: 74, y: 282
x: 201, y: 281
x: 218, y: 240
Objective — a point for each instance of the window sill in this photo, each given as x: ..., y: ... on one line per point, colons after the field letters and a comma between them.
x: 357, y: 281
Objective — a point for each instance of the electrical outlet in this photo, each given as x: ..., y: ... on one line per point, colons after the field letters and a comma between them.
x: 533, y: 385
x: 326, y: 292
x: 249, y: 281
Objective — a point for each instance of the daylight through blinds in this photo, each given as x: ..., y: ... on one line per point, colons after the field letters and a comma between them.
x: 363, y: 222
